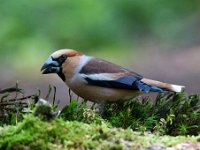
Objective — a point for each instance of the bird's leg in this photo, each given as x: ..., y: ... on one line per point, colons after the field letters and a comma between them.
x: 70, y: 95
x: 102, y: 106
x: 77, y: 98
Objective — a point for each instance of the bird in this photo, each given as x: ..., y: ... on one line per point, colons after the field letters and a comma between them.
x: 99, y: 80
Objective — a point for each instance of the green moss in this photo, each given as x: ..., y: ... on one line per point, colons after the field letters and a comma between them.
x: 34, y: 133
x: 171, y: 114
x: 130, y: 125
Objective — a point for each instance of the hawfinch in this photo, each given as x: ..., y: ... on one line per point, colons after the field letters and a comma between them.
x: 99, y: 80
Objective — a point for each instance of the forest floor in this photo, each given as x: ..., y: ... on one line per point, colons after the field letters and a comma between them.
x: 30, y: 122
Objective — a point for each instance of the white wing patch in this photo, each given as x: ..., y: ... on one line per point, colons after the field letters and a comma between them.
x: 177, y: 88
x: 100, y: 76
x: 84, y: 60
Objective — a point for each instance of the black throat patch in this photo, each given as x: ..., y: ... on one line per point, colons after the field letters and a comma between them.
x: 61, y: 75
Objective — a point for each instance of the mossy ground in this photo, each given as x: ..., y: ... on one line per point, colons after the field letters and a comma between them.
x: 33, y: 133
x: 137, y: 124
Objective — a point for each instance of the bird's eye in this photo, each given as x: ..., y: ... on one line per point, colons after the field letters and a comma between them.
x: 62, y: 58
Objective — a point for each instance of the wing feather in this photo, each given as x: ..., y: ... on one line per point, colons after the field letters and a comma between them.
x: 99, y: 72
x: 99, y: 66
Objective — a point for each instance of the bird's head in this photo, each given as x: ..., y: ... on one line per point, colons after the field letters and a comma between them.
x: 56, y: 61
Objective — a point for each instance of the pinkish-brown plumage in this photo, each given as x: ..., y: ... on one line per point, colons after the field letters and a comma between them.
x: 99, y: 80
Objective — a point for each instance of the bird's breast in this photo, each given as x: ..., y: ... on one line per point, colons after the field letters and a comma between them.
x: 96, y: 93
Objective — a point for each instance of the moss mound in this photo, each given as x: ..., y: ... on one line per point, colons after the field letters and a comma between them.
x: 33, y: 123
x: 33, y: 133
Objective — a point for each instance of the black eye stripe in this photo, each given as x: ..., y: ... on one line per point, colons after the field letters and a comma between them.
x: 53, y: 58
x: 62, y: 58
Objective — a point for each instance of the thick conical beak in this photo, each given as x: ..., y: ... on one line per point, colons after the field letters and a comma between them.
x: 51, y: 66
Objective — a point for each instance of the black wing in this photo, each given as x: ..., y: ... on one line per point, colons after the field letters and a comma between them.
x: 126, y: 82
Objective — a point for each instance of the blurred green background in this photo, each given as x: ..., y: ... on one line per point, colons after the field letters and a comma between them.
x: 157, y: 38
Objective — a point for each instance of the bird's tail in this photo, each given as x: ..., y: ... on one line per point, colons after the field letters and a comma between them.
x: 164, y: 86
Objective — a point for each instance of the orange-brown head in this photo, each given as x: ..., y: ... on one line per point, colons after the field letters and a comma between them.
x: 55, y: 62
x: 67, y: 52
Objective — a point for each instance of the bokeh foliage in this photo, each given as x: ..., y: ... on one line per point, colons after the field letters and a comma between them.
x: 33, y: 28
